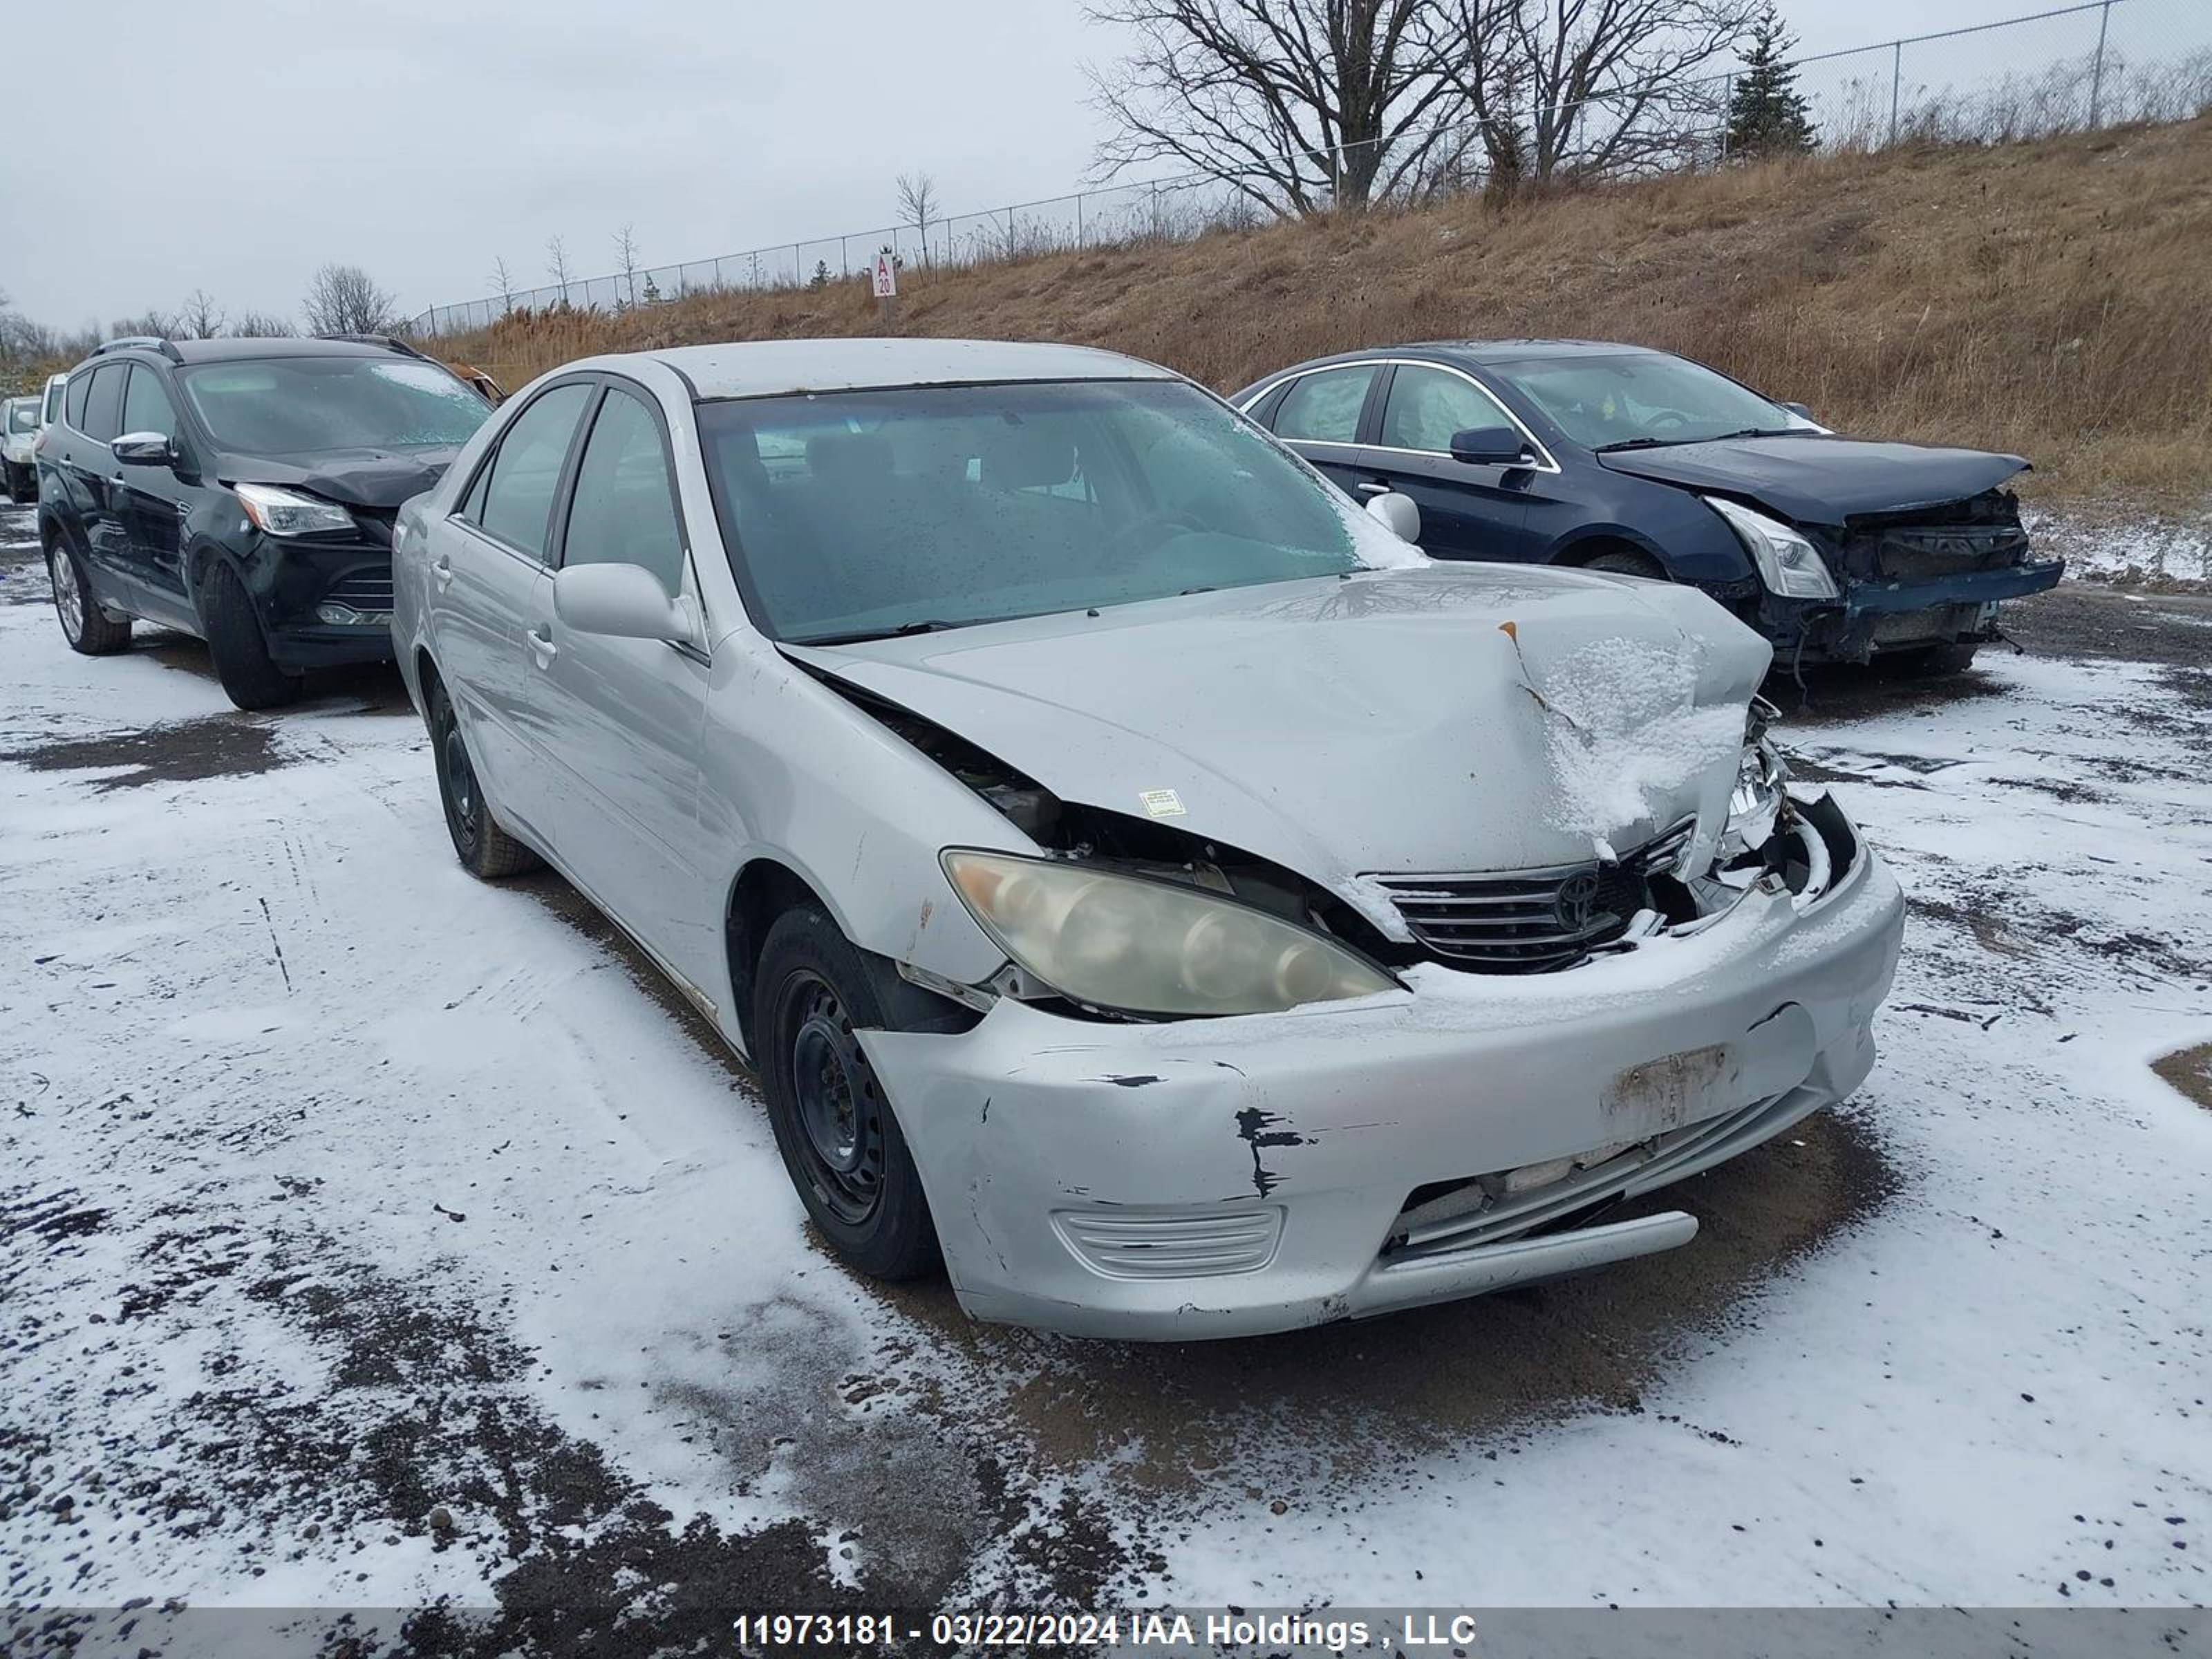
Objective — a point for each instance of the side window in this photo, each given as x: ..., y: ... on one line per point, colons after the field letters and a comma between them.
x: 53, y: 408
x: 103, y: 404
x: 146, y: 405
x: 624, y: 507
x: 1427, y: 406
x: 1324, y: 407
x: 79, y: 384
x: 517, y: 497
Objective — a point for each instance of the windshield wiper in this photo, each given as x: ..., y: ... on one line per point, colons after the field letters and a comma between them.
x: 1708, y: 438
x: 860, y: 636
x: 1634, y: 443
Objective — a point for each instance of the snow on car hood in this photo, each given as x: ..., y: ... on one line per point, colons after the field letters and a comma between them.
x: 1441, y: 718
x: 1816, y: 478
x: 351, y: 477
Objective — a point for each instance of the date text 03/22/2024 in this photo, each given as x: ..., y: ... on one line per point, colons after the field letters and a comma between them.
x: 1168, y: 1631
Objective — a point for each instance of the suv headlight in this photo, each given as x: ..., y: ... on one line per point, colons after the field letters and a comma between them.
x: 1141, y: 947
x: 287, y: 512
x: 1788, y: 564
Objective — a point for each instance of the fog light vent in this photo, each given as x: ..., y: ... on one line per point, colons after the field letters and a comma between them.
x: 1137, y: 1243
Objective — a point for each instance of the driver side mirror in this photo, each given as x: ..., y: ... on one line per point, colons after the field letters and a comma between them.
x: 1491, y: 446
x: 1799, y: 410
x: 145, y: 449
x: 625, y: 601
x: 1400, y: 512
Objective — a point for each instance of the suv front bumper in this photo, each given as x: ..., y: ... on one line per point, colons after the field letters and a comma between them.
x: 1211, y: 1178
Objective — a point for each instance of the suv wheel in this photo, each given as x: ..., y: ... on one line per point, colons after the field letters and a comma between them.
x: 240, y: 649
x: 833, y: 1122
x: 486, y: 851
x: 84, y: 624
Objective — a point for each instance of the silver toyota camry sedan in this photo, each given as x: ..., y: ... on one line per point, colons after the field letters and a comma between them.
x: 1140, y: 880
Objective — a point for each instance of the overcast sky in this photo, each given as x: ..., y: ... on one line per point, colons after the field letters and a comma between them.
x: 160, y: 146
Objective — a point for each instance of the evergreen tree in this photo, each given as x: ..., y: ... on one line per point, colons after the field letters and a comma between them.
x: 1766, y: 113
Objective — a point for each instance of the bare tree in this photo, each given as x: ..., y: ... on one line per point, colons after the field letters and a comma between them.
x: 201, y: 318
x: 261, y: 325
x: 1299, y: 104
x: 502, y: 282
x: 160, y: 325
x: 918, y: 205
x: 626, y: 252
x: 556, y: 264
x: 1580, y: 87
x: 342, y: 300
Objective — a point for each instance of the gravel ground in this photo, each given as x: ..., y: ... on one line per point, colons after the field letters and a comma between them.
x: 370, y: 1237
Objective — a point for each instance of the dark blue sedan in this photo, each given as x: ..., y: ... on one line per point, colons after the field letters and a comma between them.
x: 1616, y: 457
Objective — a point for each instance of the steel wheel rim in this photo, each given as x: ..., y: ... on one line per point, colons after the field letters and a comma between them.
x: 460, y: 780
x: 69, y: 602
x: 837, y: 1105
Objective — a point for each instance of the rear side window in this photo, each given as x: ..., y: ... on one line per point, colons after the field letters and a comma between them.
x: 103, y: 404
x: 79, y: 384
x: 53, y: 410
x: 624, y: 507
x: 1324, y: 407
x: 146, y: 405
x: 517, y: 500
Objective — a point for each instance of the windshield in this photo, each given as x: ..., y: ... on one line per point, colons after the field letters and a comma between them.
x: 859, y: 513
x: 23, y: 415
x: 1603, y: 401
x: 301, y: 406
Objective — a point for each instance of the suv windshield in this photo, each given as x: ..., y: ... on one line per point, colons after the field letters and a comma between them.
x: 301, y: 406
x: 1645, y: 396
x: 23, y: 415
x: 857, y: 514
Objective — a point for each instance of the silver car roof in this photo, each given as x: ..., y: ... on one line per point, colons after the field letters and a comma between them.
x: 761, y: 368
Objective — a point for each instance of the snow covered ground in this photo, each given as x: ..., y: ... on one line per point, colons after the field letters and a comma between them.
x: 370, y: 1236
x: 2113, y: 544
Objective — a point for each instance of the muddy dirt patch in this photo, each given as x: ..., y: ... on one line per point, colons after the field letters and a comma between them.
x: 219, y: 746
x: 2188, y: 1069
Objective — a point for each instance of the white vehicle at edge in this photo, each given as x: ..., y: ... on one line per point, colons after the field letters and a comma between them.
x: 19, y: 444
x: 1135, y: 874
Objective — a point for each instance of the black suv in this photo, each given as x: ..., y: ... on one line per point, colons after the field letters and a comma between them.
x: 243, y: 490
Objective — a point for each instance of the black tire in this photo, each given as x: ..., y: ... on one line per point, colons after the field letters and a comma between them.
x: 21, y: 488
x: 833, y: 1121
x: 1929, y: 661
x: 232, y: 631
x: 1626, y: 562
x: 486, y: 851
x: 88, y: 629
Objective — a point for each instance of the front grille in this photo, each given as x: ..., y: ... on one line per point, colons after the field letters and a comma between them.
x: 364, y: 587
x: 1531, y: 920
x: 1925, y: 544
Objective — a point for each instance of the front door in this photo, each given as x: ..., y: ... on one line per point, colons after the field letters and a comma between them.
x: 629, y: 713
x: 149, y: 500
x: 1467, y: 512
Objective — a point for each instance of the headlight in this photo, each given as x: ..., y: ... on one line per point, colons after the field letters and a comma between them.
x: 288, y: 512
x: 1788, y: 564
x: 1757, y: 798
x: 1150, y: 947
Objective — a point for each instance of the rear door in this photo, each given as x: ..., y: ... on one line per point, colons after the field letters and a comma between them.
x: 623, y: 717
x: 1320, y: 415
x: 487, y: 573
x: 93, y: 475
x: 1467, y: 512
x: 151, y: 500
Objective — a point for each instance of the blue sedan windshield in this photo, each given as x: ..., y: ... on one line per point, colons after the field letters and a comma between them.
x: 856, y: 514
x: 1642, y: 395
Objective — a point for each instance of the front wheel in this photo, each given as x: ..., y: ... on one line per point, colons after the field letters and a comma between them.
x: 1624, y: 561
x: 250, y: 676
x: 87, y: 628
x: 833, y: 1121
x: 486, y: 851
x: 1927, y: 661
x: 20, y: 487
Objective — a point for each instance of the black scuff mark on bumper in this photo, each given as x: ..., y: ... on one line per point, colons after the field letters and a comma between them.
x: 1252, y: 1127
x: 1134, y: 1080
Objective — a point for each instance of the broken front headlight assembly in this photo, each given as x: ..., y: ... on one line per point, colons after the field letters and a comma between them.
x: 1135, y: 945
x: 1787, y: 562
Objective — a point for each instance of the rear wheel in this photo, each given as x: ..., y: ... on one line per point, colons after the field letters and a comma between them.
x: 249, y: 676
x: 833, y: 1121
x: 486, y: 851
x: 84, y: 624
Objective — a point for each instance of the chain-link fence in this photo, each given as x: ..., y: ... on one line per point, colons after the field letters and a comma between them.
x: 2106, y: 62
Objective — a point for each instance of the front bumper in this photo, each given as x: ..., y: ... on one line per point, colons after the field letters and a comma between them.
x: 1226, y: 1177
x: 295, y: 582
x: 1871, y: 615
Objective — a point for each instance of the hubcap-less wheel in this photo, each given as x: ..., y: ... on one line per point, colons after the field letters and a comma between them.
x: 460, y: 780
x: 68, y: 599
x: 840, y: 1106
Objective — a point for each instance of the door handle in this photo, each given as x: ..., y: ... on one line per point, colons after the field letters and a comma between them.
x: 542, y: 647
x: 442, y: 570
x: 1371, y: 487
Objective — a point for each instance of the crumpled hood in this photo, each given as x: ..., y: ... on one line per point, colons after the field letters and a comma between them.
x: 1388, y: 723
x: 1812, y: 478
x: 351, y: 477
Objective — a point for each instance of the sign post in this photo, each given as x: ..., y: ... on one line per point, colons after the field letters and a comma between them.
x: 886, y: 288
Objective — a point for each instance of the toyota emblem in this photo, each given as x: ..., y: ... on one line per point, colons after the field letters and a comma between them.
x: 1577, y: 898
